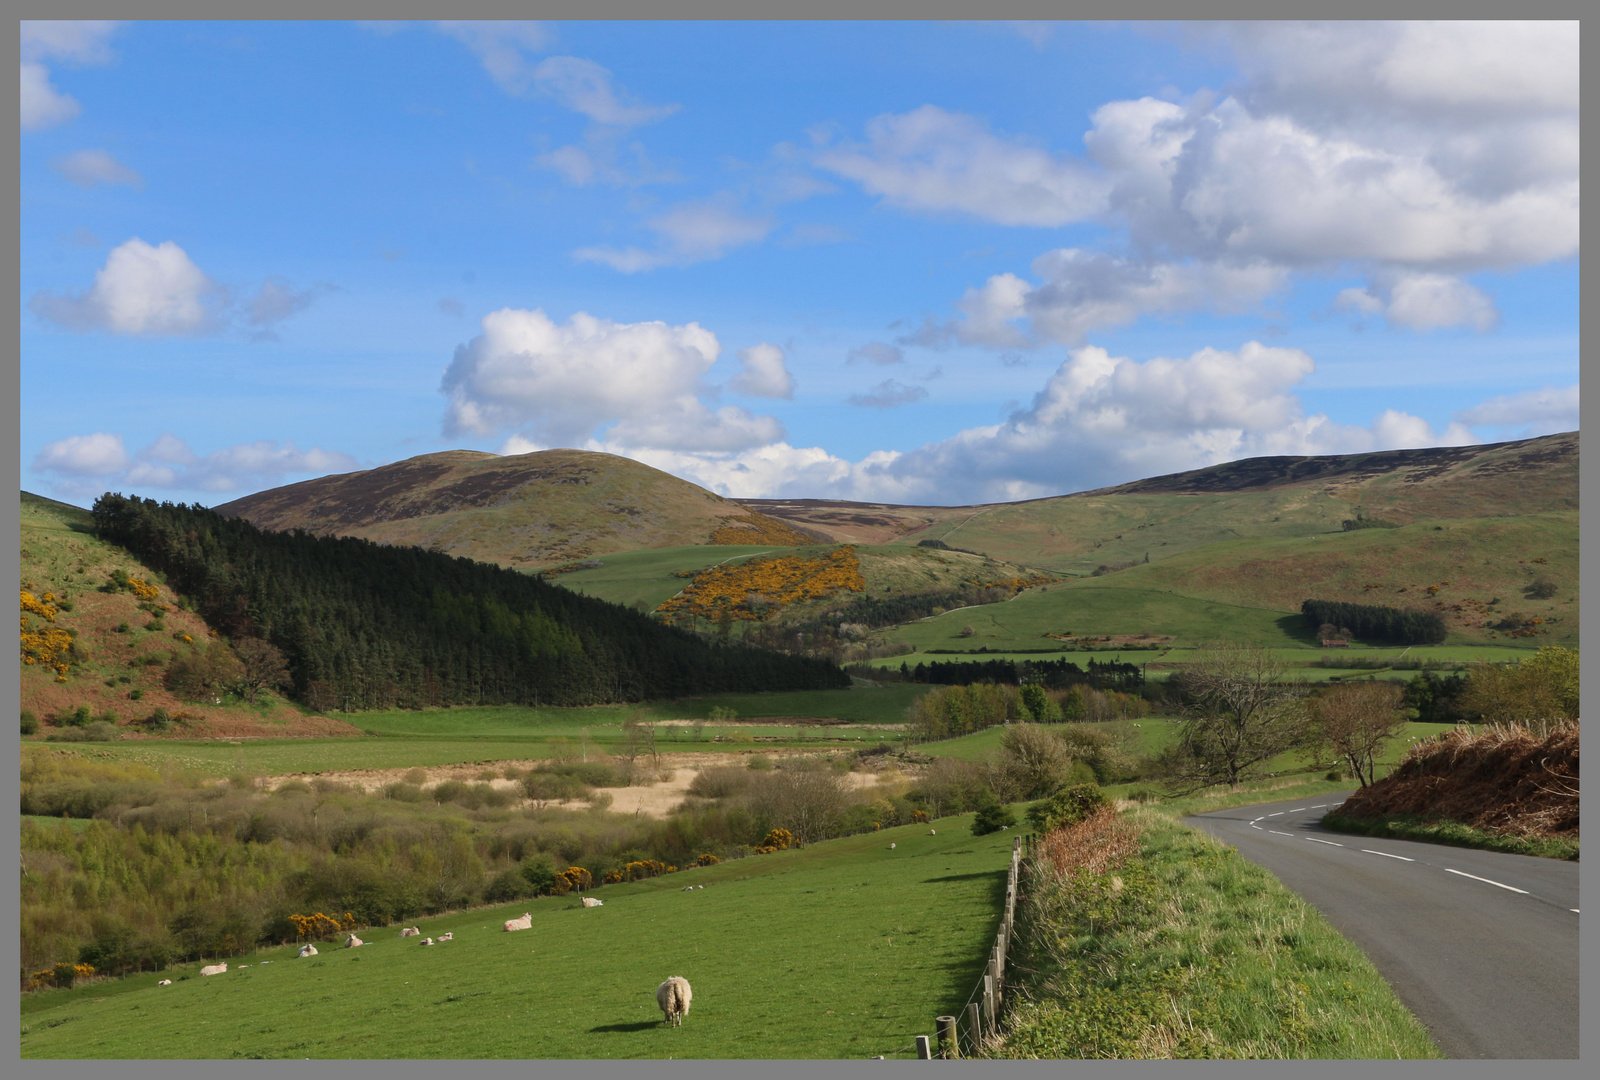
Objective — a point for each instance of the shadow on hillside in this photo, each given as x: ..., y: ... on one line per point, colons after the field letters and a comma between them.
x: 1294, y: 626
x: 81, y: 526
x: 644, y: 1025
x: 994, y: 875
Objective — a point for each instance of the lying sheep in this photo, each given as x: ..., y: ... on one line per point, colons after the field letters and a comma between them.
x: 589, y: 901
x: 410, y: 931
x: 524, y: 923
x: 448, y: 937
x: 352, y: 941
x: 164, y: 982
x: 426, y: 941
x: 214, y: 969
x: 308, y: 950
x: 674, y: 996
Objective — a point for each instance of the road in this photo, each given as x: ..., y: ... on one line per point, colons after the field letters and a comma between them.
x: 1482, y: 947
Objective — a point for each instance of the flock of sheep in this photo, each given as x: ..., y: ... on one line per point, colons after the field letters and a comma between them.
x: 673, y: 996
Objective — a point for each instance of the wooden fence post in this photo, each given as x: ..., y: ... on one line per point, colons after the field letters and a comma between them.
x: 975, y: 1022
x: 988, y: 1003
x: 923, y: 1053
x: 949, y: 1046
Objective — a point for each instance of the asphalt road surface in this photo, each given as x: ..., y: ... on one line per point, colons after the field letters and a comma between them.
x: 1482, y: 947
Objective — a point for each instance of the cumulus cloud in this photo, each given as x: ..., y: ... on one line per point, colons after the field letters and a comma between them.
x: 889, y: 394
x: 689, y: 233
x: 931, y: 160
x: 1539, y: 412
x: 88, y: 168
x: 76, y: 42
x: 503, y: 47
x: 876, y: 352
x: 558, y: 383
x: 1082, y: 291
x: 143, y: 290
x: 169, y: 463
x: 1428, y: 301
x: 83, y: 455
x: 156, y: 290
x: 585, y: 87
x: 764, y: 373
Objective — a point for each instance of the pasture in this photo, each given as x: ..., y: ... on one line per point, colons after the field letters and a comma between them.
x: 631, y: 577
x: 843, y: 949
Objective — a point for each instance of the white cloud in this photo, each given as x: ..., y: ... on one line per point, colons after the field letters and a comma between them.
x: 585, y: 87
x: 76, y: 42
x: 1543, y: 411
x: 1429, y: 301
x: 43, y: 106
x: 558, y: 383
x: 1358, y: 301
x: 764, y: 373
x: 503, y: 47
x: 83, y: 455
x: 1082, y: 291
x: 87, y: 168
x: 889, y: 394
x: 876, y: 352
x: 930, y: 160
x: 143, y: 290
x: 690, y: 233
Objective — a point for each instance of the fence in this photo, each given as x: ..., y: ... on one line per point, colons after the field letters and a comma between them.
x: 978, y: 1021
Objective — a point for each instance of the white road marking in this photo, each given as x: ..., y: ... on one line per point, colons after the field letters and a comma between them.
x: 1275, y: 832
x: 1253, y: 825
x: 1486, y: 881
x: 1319, y: 806
x: 1573, y: 910
x: 1278, y: 814
x: 1386, y: 855
x: 1297, y: 809
x: 1330, y: 843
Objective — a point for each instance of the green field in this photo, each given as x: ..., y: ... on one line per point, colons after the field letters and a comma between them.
x: 841, y: 950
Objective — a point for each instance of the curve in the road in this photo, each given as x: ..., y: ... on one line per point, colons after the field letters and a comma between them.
x: 1481, y: 946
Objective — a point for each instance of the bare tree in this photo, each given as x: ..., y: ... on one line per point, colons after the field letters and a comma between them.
x: 1351, y: 722
x: 1240, y: 711
x: 805, y: 798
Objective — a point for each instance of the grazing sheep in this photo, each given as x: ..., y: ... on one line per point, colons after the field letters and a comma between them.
x: 307, y: 950
x: 524, y: 923
x: 164, y: 982
x: 214, y: 969
x: 933, y: 832
x: 589, y: 901
x: 352, y: 941
x: 410, y: 931
x: 448, y: 937
x: 891, y: 847
x: 674, y: 996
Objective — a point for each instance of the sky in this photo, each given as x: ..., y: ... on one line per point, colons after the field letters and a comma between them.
x: 915, y: 262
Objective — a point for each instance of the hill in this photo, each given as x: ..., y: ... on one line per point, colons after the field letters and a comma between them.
x: 530, y: 510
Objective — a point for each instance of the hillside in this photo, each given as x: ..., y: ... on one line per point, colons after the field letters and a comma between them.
x: 529, y: 510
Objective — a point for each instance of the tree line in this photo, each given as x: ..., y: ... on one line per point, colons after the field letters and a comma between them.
x: 1372, y: 623
x: 363, y: 625
x: 1054, y: 674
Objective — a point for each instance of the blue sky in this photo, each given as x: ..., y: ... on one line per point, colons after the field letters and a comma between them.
x: 909, y: 262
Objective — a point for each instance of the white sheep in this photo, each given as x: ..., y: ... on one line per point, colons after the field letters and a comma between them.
x: 933, y: 832
x: 589, y: 901
x: 524, y: 923
x: 352, y: 941
x: 164, y: 982
x: 307, y: 950
x: 426, y: 941
x: 214, y: 969
x: 410, y: 931
x: 674, y: 996
x: 448, y: 937
x: 891, y: 847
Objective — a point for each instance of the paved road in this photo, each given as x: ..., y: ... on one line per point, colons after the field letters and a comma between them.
x: 1482, y: 947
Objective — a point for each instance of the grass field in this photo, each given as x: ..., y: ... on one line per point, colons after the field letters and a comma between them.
x: 841, y: 950
x: 632, y: 576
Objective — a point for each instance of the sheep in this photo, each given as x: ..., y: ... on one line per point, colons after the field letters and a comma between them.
x: 891, y: 847
x: 214, y: 969
x: 352, y: 941
x: 674, y: 996
x: 307, y: 950
x: 164, y: 982
x: 426, y: 941
x: 410, y: 931
x: 524, y: 923
x: 448, y: 937
x: 933, y: 832
x: 699, y: 886
x: 589, y: 901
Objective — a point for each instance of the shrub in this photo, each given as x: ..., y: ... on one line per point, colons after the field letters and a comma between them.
x: 992, y: 815
x: 63, y: 975
x: 508, y: 885
x: 403, y: 792
x: 720, y: 781
x: 759, y: 762
x: 30, y: 722
x: 1067, y: 806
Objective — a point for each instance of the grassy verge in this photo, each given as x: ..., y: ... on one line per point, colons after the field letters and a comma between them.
x: 1180, y: 948
x: 843, y: 949
x: 1455, y: 834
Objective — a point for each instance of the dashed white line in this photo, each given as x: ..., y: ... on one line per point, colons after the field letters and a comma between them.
x: 1486, y: 881
x: 1297, y: 809
x: 1275, y: 832
x: 1330, y: 843
x: 1573, y: 910
x: 1386, y: 855
x: 1278, y: 814
x: 1319, y: 806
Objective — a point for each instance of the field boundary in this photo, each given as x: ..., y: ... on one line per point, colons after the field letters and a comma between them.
x: 966, y: 1033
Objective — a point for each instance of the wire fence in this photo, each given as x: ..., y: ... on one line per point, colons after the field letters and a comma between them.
x: 976, y: 1023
